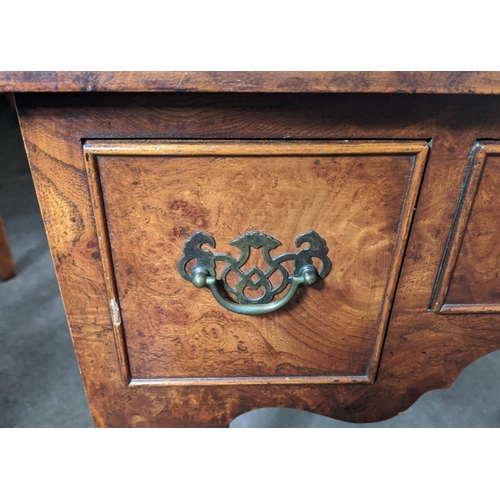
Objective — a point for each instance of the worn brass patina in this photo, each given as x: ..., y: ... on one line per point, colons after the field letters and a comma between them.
x: 203, y: 272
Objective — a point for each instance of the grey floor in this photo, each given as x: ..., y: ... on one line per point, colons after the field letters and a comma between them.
x: 40, y: 384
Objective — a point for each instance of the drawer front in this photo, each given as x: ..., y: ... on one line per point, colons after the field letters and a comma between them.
x: 359, y: 196
x: 469, y: 281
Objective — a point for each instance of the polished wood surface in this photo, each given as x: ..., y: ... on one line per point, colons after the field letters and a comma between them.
x: 358, y: 195
x: 88, y: 195
x: 469, y: 281
x: 438, y: 82
x: 7, y: 266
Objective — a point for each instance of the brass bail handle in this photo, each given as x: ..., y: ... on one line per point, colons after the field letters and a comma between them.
x: 203, y: 272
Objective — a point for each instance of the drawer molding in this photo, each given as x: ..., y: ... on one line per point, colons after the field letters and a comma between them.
x: 224, y: 381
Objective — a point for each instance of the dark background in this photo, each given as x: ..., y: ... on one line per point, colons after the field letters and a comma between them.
x: 40, y: 384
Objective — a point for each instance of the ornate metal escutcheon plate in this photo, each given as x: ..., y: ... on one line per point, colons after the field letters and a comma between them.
x: 203, y: 272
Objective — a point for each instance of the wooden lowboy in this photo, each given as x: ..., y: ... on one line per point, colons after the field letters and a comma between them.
x: 340, y: 228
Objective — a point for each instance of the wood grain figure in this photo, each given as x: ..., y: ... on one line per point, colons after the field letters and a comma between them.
x: 425, y: 82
